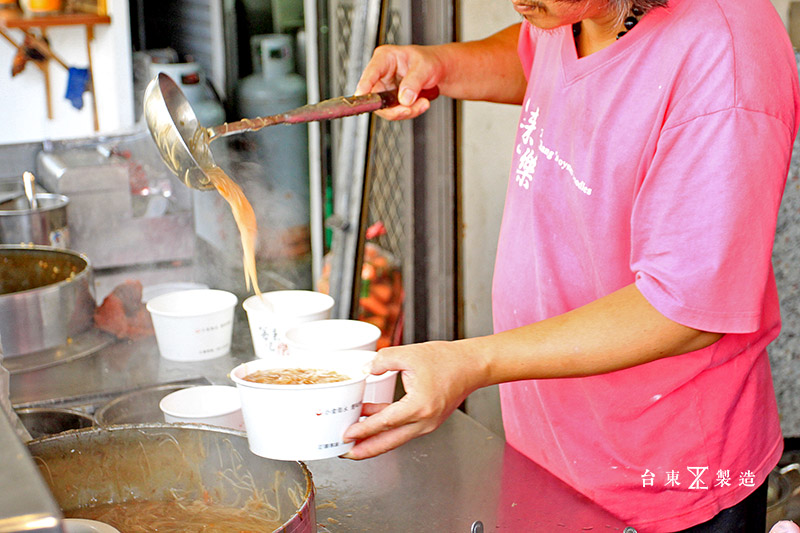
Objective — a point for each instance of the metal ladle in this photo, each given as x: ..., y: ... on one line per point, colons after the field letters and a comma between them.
x: 183, y: 141
x: 29, y: 186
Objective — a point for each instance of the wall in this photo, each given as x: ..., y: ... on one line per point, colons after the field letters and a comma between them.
x: 487, y: 134
x: 23, y: 112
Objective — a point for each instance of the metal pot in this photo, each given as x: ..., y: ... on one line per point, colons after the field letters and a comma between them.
x: 46, y: 297
x: 44, y: 421
x: 46, y: 225
x: 156, y: 461
x: 783, y: 483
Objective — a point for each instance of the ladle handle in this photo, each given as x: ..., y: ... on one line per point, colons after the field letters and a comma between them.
x: 28, y: 184
x: 339, y: 107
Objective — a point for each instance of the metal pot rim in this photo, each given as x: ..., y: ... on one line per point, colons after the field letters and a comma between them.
x: 61, y: 202
x: 65, y: 410
x: 47, y: 249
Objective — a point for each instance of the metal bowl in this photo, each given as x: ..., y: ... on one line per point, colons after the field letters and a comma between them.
x: 46, y: 297
x: 136, y: 407
x: 44, y: 421
x: 156, y: 462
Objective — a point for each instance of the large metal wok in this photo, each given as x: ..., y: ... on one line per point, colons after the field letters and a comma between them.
x: 156, y: 461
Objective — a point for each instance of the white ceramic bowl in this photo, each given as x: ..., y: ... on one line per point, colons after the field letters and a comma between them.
x: 193, y: 325
x: 272, y: 313
x: 302, y: 422
x: 214, y: 405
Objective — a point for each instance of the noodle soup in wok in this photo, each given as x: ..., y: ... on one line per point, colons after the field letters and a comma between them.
x: 310, y: 418
x: 156, y: 477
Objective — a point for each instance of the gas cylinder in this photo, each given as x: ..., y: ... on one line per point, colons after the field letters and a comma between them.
x: 193, y: 83
x: 282, y: 151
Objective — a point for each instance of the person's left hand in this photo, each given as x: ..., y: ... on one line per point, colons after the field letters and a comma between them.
x: 437, y: 377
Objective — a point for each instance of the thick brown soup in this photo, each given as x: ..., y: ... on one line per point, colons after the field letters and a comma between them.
x: 245, y: 220
x: 295, y: 376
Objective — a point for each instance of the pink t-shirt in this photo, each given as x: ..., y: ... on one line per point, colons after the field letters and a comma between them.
x: 658, y: 161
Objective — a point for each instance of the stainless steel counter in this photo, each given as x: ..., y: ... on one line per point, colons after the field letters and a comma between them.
x: 442, y: 482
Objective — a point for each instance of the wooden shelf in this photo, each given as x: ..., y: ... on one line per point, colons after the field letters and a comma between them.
x: 14, y: 18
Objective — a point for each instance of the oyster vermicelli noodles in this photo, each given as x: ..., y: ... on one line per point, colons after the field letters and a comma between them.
x: 178, y: 516
x: 156, y: 485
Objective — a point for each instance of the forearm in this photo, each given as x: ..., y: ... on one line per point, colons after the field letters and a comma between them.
x: 617, y: 331
x: 487, y: 70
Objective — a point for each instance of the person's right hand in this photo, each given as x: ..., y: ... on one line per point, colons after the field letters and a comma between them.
x: 785, y: 526
x: 409, y: 69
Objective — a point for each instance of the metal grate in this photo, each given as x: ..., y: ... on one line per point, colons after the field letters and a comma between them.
x: 388, y: 198
x: 390, y: 162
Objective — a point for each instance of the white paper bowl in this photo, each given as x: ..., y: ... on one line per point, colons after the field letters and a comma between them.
x: 272, y: 313
x: 83, y: 525
x: 193, y: 325
x: 350, y: 336
x: 302, y: 422
x: 154, y: 291
x: 332, y: 334
x: 380, y: 389
x: 213, y: 405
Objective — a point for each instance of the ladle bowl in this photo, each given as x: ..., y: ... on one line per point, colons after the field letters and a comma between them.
x: 176, y: 130
x: 183, y: 142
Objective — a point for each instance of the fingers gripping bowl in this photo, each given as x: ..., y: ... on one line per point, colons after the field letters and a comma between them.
x: 302, y: 422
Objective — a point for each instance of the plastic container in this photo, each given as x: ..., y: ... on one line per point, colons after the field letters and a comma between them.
x: 271, y: 314
x: 302, y: 422
x: 193, y: 325
x: 213, y: 405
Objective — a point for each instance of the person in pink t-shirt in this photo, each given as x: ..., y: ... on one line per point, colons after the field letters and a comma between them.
x: 633, y: 295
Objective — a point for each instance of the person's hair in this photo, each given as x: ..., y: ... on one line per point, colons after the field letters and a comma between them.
x: 623, y: 7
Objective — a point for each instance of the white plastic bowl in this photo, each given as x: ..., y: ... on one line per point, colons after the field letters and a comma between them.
x: 302, y: 422
x: 214, y: 405
x: 272, y: 313
x: 193, y: 325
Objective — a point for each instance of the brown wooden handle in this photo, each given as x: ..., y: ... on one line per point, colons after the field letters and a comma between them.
x: 339, y: 107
